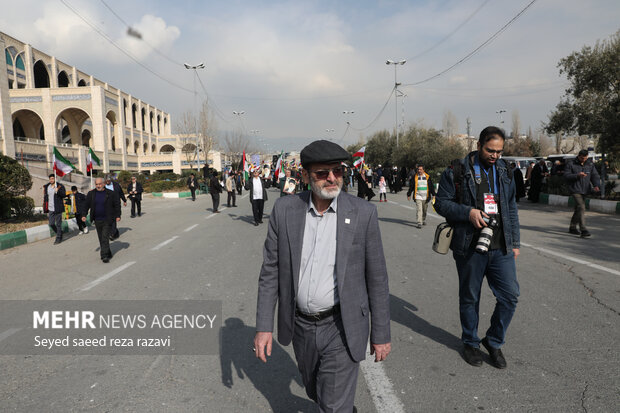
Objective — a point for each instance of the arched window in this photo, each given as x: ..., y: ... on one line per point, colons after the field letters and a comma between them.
x: 145, y: 147
x: 143, y: 119
x: 153, y: 148
x: 9, y: 58
x: 82, y: 83
x: 133, y: 114
x: 86, y: 138
x: 41, y: 77
x: 151, y: 122
x: 158, y: 124
x: 124, y: 111
x: 63, y: 79
x: 19, y: 63
x: 136, y: 146
x: 18, y: 129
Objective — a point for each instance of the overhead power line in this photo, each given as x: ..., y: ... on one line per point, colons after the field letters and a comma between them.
x: 439, y: 43
x: 378, y: 114
x: 125, y: 52
x: 476, y: 50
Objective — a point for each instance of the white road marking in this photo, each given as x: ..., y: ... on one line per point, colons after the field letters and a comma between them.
x: 214, y: 214
x: 168, y: 241
x: 8, y: 333
x: 190, y: 228
x: 569, y: 258
x: 380, y: 386
x: 105, y: 277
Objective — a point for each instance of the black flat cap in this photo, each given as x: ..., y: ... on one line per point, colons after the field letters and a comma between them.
x: 323, y: 151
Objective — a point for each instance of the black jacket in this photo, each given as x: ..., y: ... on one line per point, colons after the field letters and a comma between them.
x: 119, y: 191
x: 139, y: 190
x: 112, y: 205
x: 80, y: 201
x: 59, y: 205
x: 214, y: 185
x: 577, y: 184
x: 189, y: 182
x: 249, y: 186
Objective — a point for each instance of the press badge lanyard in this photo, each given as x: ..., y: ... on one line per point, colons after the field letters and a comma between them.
x: 490, y: 205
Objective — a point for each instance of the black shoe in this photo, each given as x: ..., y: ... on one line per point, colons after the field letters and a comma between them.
x: 497, y: 357
x: 573, y: 231
x: 105, y: 260
x: 472, y: 355
x: 585, y: 234
x: 133, y: 216
x: 139, y: 214
x: 57, y: 241
x: 234, y: 206
x: 256, y: 224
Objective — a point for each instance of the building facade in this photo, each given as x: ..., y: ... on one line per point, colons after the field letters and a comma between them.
x: 46, y: 103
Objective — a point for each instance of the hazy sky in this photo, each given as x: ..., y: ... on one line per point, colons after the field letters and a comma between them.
x: 294, y: 66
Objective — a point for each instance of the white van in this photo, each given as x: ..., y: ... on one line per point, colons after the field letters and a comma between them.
x: 522, y: 162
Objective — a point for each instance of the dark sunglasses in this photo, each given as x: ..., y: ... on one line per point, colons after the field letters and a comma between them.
x: 324, y: 173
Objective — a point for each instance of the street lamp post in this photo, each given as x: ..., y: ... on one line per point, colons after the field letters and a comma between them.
x: 501, y: 120
x: 396, y: 84
x: 194, y: 68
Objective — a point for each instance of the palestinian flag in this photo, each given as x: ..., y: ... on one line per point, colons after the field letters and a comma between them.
x: 89, y: 160
x: 245, y: 167
x: 278, y: 173
x: 360, y: 152
x: 61, y: 165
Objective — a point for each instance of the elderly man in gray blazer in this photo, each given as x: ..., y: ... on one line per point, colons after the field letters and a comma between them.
x: 324, y: 267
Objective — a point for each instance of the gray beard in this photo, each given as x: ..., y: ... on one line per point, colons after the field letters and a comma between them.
x: 322, y: 193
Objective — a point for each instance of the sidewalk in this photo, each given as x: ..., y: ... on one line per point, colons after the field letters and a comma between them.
x: 599, y: 205
x: 38, y: 233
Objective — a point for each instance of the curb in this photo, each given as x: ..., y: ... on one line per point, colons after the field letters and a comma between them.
x: 38, y: 233
x: 186, y: 194
x: 598, y: 205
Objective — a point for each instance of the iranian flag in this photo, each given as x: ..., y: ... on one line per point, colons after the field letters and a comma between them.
x: 279, y: 174
x: 89, y: 160
x: 61, y: 165
x: 360, y: 154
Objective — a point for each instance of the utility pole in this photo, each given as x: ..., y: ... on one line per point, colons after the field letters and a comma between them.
x: 470, y: 141
x: 396, y: 84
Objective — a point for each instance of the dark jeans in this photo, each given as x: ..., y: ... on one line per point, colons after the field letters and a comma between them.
x: 55, y: 222
x: 579, y: 216
x: 114, y: 230
x: 501, y: 274
x: 136, y: 203
x: 257, y: 209
x: 232, y: 195
x: 215, y: 197
x: 193, y: 190
x: 104, y: 229
x: 81, y: 225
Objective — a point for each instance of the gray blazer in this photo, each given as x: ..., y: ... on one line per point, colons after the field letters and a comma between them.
x: 360, y: 271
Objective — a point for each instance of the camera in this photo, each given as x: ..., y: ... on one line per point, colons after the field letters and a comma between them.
x: 484, y: 240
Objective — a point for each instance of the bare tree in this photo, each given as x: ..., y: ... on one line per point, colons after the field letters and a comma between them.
x: 207, y: 129
x: 450, y: 124
x: 186, y: 127
x: 236, y: 144
x: 516, y: 124
x: 201, y: 131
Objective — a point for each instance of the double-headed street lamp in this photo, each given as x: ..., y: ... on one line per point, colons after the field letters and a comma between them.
x: 500, y: 115
x: 396, y: 84
x: 194, y: 68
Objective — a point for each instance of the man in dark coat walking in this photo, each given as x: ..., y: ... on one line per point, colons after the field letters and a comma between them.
x: 539, y: 172
x: 116, y: 188
x: 134, y: 191
x: 192, y: 184
x: 215, y: 189
x: 105, y: 209
x: 53, y: 195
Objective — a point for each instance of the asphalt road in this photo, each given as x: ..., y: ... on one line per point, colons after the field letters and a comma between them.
x: 562, y: 346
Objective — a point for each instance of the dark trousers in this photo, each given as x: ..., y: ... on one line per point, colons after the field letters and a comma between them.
x: 104, y: 229
x: 114, y: 230
x: 136, y: 203
x: 534, y: 193
x: 239, y: 188
x: 579, y: 216
x: 232, y: 195
x: 193, y: 191
x: 257, y: 209
x: 501, y: 274
x: 81, y: 225
x: 215, y: 197
x: 55, y: 222
x: 327, y: 370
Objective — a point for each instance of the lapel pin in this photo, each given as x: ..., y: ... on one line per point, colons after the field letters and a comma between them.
x: 347, y: 221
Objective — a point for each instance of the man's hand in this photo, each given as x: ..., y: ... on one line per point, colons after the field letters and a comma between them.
x: 596, y: 189
x: 118, y: 219
x: 380, y: 351
x: 262, y: 344
x: 516, y: 252
x: 83, y: 219
x: 475, y: 217
x: 124, y: 204
x: 408, y: 198
x: 582, y: 174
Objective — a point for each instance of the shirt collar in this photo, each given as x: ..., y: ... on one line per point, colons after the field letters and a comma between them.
x: 333, y: 207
